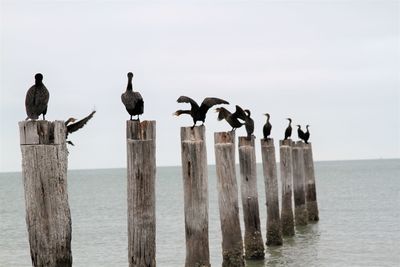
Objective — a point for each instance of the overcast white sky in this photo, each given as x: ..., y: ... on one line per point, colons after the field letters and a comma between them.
x: 332, y: 64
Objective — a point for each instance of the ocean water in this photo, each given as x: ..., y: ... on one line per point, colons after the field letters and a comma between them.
x: 359, y: 204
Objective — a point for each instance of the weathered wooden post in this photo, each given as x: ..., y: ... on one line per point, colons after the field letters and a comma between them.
x: 44, y: 170
x: 141, y: 155
x: 311, y: 194
x: 254, y: 247
x: 287, y: 187
x: 274, y: 227
x: 300, y: 208
x: 195, y: 182
x: 232, y: 243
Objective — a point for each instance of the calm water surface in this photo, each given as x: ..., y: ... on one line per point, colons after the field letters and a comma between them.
x: 359, y: 223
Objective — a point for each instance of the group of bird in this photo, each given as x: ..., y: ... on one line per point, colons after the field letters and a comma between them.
x: 37, y: 99
x: 236, y: 119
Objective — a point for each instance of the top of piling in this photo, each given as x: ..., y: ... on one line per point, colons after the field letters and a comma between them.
x: 224, y: 137
x: 267, y: 142
x: 308, y: 145
x: 298, y: 144
x: 196, y: 133
x: 286, y: 142
x: 141, y: 130
x: 244, y: 141
x: 42, y: 132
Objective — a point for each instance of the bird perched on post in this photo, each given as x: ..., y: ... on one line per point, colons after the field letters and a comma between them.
x: 300, y: 133
x: 73, y: 126
x: 197, y: 112
x: 288, y: 131
x: 231, y: 118
x: 267, y: 127
x: 249, y: 124
x: 248, y: 121
x: 36, y: 99
x: 307, y: 134
x: 133, y: 101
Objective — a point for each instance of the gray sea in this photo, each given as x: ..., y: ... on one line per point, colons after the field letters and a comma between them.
x: 359, y: 204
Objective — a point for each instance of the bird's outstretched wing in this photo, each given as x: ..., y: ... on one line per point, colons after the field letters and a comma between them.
x: 79, y: 124
x: 185, y: 99
x: 208, y: 102
x: 239, y: 113
x: 223, y: 113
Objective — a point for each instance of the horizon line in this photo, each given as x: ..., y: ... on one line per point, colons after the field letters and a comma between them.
x: 169, y: 166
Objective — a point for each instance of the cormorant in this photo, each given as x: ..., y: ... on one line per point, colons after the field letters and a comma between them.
x: 288, y: 131
x: 307, y: 134
x: 198, y: 113
x: 75, y: 126
x: 267, y: 128
x: 248, y: 122
x: 231, y: 118
x: 300, y: 133
x: 36, y: 99
x: 133, y: 101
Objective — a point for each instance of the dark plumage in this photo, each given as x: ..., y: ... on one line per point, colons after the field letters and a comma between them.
x: 75, y: 126
x: 231, y: 118
x: 36, y: 99
x: 267, y: 127
x: 288, y: 131
x: 248, y: 121
x: 133, y: 101
x: 307, y: 135
x: 300, y: 133
x: 198, y: 113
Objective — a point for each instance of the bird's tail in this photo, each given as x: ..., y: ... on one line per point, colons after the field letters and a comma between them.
x: 179, y: 112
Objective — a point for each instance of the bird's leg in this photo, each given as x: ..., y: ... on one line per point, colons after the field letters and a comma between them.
x: 44, y: 118
x: 131, y: 118
x: 138, y: 118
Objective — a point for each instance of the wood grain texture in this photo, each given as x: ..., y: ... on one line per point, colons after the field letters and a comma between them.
x: 254, y: 247
x: 300, y: 207
x: 232, y: 242
x: 44, y: 170
x: 195, y: 183
x: 286, y: 167
x: 311, y: 193
x: 141, y: 155
x: 274, y: 227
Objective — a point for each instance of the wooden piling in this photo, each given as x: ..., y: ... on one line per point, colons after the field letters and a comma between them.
x: 195, y: 182
x: 44, y: 170
x: 254, y: 247
x: 141, y: 148
x: 311, y: 194
x: 287, y: 187
x: 300, y: 207
x: 232, y: 243
x: 274, y: 227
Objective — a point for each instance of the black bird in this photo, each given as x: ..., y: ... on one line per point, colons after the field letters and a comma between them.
x: 300, y: 133
x: 231, y: 118
x: 133, y: 101
x: 36, y: 99
x: 249, y: 124
x: 248, y: 121
x: 307, y: 134
x: 288, y: 131
x: 75, y: 126
x: 267, y: 127
x: 198, y: 113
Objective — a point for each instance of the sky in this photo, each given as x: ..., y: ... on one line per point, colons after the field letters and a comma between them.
x: 332, y: 64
